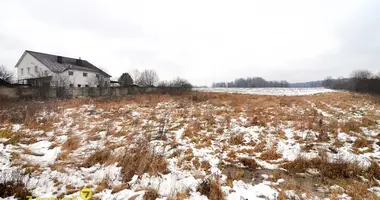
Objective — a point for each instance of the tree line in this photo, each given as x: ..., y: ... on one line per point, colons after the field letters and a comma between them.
x: 360, y: 81
x: 149, y: 77
x: 251, y: 82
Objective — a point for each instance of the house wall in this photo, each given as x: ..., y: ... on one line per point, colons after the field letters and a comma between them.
x: 30, y: 62
x: 78, y: 78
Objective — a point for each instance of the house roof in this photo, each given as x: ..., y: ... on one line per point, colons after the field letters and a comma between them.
x: 51, y: 62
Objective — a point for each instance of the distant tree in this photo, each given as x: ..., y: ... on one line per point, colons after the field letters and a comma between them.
x: 361, y: 74
x: 163, y: 84
x: 125, y: 79
x: 147, y: 78
x: 5, y: 74
x: 251, y: 82
x: 180, y: 83
x: 327, y: 83
x: 135, y: 74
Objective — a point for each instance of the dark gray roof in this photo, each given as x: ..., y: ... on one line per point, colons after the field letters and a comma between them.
x: 51, y: 62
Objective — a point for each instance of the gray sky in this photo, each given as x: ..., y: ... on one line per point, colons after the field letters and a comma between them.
x: 202, y: 41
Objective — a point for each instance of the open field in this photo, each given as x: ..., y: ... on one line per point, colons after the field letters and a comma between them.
x: 193, y: 146
x: 268, y: 91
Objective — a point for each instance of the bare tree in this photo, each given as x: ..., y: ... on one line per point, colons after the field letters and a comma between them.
x: 5, y: 74
x: 147, y: 78
x: 361, y: 74
x: 135, y: 74
x: 180, y: 83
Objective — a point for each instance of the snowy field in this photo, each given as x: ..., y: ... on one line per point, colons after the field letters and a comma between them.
x: 195, y: 146
x: 269, y: 91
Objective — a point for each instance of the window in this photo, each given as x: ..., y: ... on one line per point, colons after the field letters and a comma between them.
x: 46, y: 72
x: 79, y: 85
x: 22, y: 71
x: 71, y: 85
x: 97, y: 75
x: 28, y: 70
x: 85, y: 74
x: 85, y: 85
x: 97, y: 85
x: 71, y: 73
x: 36, y: 69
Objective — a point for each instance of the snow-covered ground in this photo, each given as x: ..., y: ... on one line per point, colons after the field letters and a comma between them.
x: 242, y: 145
x: 269, y: 91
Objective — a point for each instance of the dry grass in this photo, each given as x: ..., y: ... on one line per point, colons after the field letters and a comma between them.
x: 180, y: 195
x: 6, y: 133
x: 250, y: 163
x: 237, y: 139
x: 211, y: 188
x: 192, y: 130
x: 234, y: 173
x: 100, y: 156
x: 359, y: 190
x: 150, y: 194
x: 14, y: 186
x: 351, y: 125
x: 70, y: 145
x: 141, y: 160
x: 361, y: 143
x: 270, y: 154
x: 333, y: 170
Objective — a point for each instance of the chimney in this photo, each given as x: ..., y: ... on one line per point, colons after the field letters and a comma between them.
x: 59, y: 59
x: 79, y: 62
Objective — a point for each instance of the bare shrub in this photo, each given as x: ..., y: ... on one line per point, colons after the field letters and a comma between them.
x: 211, y: 188
x: 141, y: 159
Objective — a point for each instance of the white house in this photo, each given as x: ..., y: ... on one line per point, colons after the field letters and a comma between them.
x: 37, y: 68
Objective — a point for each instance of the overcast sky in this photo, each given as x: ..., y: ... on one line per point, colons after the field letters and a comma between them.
x: 202, y: 41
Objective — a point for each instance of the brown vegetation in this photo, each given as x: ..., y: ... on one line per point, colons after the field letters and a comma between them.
x: 211, y: 188
x: 141, y: 159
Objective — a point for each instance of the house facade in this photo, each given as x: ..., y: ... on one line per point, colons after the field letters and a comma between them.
x: 39, y: 69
